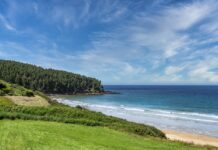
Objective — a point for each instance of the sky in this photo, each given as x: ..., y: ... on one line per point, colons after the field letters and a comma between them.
x: 116, y: 41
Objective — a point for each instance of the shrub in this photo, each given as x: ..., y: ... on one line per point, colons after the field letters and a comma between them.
x: 80, y: 107
x: 2, y: 86
x: 29, y: 93
x: 2, y: 93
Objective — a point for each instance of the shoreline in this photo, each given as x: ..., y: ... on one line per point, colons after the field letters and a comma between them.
x: 191, y: 138
x: 85, y: 94
x: 171, y: 134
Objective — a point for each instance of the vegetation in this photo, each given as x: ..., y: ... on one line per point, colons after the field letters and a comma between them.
x: 47, y: 80
x: 13, y: 105
x: 17, y: 135
x: 12, y: 93
x: 80, y: 116
x: 29, y: 101
x: 5, y: 101
x: 13, y: 89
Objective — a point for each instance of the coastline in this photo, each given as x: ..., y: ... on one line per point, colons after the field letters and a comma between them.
x: 191, y: 138
x: 171, y: 134
x: 84, y: 94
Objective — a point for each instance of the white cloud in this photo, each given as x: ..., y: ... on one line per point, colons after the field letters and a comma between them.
x: 150, y: 40
x: 211, y: 27
x: 78, y: 13
x: 114, y: 15
x: 205, y: 70
x: 170, y: 70
x: 187, y: 15
x: 6, y: 23
x: 128, y: 69
x: 165, y: 31
x: 204, y: 73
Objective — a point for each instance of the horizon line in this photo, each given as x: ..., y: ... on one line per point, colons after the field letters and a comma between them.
x: 160, y: 84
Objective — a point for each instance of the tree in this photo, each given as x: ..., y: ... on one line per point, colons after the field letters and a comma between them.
x: 47, y: 80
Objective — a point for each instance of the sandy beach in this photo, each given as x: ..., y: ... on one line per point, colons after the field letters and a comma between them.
x: 191, y: 138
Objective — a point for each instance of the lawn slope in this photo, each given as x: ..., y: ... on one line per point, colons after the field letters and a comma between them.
x: 20, y: 135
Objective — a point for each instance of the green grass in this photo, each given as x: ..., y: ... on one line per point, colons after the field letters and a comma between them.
x: 71, y: 115
x: 5, y: 101
x: 37, y: 135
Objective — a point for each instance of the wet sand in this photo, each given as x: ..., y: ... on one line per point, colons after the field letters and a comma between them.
x: 191, y: 138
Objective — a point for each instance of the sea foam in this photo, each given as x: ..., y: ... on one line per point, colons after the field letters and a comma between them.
x: 164, y: 119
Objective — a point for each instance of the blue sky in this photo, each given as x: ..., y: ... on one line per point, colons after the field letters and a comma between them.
x: 116, y: 41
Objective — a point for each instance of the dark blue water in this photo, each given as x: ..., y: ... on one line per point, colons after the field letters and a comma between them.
x: 186, y: 108
x: 202, y: 99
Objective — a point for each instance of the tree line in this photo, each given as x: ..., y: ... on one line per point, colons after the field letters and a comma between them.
x: 47, y: 80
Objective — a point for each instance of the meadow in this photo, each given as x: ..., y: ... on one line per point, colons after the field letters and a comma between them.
x: 37, y: 135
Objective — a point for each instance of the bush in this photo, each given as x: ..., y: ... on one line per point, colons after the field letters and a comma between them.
x: 29, y: 93
x: 6, y: 90
x: 79, y: 107
x: 2, y: 86
x: 2, y: 93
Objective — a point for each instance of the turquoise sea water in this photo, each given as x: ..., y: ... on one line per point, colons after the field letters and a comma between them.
x: 183, y: 108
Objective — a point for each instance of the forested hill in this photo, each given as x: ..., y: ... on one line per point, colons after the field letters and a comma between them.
x: 47, y: 80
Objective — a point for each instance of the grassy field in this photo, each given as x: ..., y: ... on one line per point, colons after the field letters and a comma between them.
x: 37, y: 135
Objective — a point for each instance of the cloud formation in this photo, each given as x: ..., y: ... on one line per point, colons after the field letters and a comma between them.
x: 6, y: 24
x: 119, y: 42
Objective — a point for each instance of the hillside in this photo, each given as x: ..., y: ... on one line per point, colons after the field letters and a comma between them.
x: 47, y: 80
x: 18, y: 135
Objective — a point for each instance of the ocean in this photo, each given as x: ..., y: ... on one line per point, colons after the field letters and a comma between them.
x: 192, y: 109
